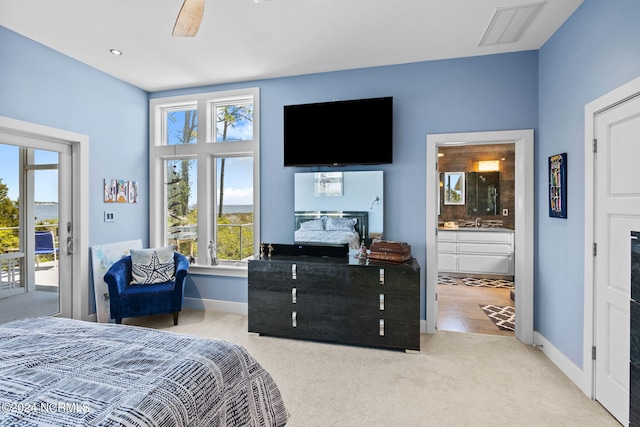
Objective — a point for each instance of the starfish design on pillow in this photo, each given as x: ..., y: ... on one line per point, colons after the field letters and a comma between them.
x: 156, y: 271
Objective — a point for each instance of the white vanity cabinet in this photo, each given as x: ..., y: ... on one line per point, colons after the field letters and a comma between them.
x: 476, y: 251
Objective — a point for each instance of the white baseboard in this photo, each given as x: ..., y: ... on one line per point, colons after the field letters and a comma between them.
x: 423, y: 326
x: 556, y: 357
x: 216, y: 305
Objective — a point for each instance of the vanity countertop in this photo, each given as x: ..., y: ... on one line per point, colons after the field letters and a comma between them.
x: 482, y: 229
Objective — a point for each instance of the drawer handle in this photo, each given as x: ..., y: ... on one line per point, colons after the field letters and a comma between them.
x: 294, y: 319
x: 293, y: 271
x: 382, y: 276
x: 381, y: 302
x: 294, y: 295
x: 381, y: 327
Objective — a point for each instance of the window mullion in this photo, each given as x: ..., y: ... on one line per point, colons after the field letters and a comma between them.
x: 205, y: 200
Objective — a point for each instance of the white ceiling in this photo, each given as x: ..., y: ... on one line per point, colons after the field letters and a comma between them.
x: 240, y: 40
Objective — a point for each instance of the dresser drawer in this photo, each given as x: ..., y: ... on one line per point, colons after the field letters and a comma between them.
x: 287, y: 275
x: 389, y: 280
x: 389, y: 306
x: 298, y: 300
x: 384, y: 333
x: 296, y: 324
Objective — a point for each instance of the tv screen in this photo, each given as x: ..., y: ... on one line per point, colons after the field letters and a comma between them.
x: 339, y: 133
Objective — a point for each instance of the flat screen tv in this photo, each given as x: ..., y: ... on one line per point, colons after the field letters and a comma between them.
x: 355, y: 132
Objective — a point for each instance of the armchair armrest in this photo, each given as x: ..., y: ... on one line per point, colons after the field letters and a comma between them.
x: 182, y: 266
x: 119, y: 276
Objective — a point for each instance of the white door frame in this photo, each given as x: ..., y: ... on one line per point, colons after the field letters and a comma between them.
x: 605, y: 102
x: 20, y: 131
x: 524, y: 216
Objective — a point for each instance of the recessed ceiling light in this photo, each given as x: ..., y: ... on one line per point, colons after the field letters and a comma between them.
x: 509, y: 23
x: 115, y: 52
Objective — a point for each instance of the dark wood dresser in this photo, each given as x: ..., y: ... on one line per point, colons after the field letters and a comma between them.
x: 336, y: 300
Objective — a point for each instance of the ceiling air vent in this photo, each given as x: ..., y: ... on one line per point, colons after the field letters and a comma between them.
x: 509, y: 23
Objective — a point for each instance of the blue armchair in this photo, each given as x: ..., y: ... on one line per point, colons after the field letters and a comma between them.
x: 133, y: 300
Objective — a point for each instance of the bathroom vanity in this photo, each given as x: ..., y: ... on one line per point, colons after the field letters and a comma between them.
x: 477, y: 251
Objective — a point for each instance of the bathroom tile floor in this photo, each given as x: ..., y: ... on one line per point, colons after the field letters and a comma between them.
x: 459, y: 308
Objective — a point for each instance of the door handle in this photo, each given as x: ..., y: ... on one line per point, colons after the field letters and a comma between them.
x: 69, y: 239
x: 69, y: 245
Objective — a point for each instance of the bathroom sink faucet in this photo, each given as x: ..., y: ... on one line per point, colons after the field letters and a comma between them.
x: 477, y: 222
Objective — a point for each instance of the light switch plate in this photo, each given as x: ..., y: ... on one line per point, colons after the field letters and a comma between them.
x: 505, y: 212
x: 109, y: 217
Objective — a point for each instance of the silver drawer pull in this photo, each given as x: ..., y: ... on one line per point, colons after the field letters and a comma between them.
x: 381, y: 327
x: 294, y: 319
x: 382, y: 276
x: 294, y: 295
x: 381, y: 302
x: 293, y: 271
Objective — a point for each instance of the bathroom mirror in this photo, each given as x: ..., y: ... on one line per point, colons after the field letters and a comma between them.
x: 483, y: 193
x: 357, y: 195
x: 454, y: 187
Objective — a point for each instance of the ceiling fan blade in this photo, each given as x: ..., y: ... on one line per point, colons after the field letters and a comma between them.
x: 189, y: 18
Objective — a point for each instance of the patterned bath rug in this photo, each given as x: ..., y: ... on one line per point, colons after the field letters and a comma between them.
x: 488, y: 283
x: 446, y: 280
x: 504, y: 317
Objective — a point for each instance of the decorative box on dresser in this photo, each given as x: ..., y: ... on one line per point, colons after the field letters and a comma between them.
x: 336, y: 299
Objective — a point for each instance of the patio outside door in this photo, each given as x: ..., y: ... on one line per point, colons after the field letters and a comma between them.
x: 35, y: 196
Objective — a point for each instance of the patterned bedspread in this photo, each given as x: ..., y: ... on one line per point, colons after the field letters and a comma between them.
x: 62, y: 372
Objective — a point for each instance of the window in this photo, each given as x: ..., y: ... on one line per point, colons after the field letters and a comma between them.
x: 203, y: 159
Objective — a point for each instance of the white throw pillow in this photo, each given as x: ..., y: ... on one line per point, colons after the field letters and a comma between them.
x: 313, y: 225
x: 155, y: 265
x: 340, y: 224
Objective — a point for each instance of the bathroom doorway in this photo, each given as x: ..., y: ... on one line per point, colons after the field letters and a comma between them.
x: 476, y: 292
x: 522, y: 216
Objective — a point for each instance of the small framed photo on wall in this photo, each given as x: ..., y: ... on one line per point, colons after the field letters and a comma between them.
x: 558, y: 186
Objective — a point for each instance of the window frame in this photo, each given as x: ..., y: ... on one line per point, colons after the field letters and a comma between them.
x: 205, y: 151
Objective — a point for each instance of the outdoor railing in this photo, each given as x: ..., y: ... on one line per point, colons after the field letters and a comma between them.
x: 10, y: 271
x: 184, y: 237
x: 241, y: 227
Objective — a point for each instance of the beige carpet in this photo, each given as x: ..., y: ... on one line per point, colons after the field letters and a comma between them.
x: 457, y: 379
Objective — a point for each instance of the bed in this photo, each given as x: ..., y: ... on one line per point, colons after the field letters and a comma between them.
x: 323, y: 227
x: 56, y: 371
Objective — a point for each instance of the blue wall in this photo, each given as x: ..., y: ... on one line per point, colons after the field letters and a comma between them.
x: 497, y: 92
x: 594, y: 52
x: 40, y: 85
